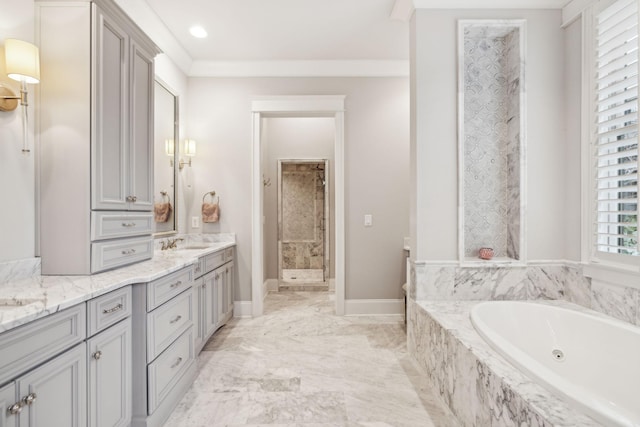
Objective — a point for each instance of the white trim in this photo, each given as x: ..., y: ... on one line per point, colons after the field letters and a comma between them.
x: 573, y: 10
x: 488, y: 4
x: 374, y: 307
x: 613, y: 275
x: 146, y: 18
x: 296, y: 106
x: 242, y: 309
x: 402, y: 10
x: 300, y: 68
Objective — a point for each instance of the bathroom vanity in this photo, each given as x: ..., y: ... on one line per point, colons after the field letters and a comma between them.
x: 111, y: 349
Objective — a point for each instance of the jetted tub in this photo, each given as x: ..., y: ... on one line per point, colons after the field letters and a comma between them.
x: 592, y: 362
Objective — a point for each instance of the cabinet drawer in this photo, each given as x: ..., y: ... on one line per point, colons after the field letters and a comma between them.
x: 115, y: 253
x: 109, y: 225
x: 29, y: 345
x: 213, y: 261
x: 162, y: 290
x: 108, y: 309
x: 166, y: 323
x: 166, y: 370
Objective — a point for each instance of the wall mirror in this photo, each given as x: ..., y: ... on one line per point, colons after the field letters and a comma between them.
x: 165, y: 156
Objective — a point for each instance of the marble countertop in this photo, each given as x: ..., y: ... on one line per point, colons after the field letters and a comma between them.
x: 28, y: 299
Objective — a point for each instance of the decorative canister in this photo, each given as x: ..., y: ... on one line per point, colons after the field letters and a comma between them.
x: 485, y: 253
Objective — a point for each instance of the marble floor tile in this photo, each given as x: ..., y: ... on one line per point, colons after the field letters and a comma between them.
x: 300, y: 365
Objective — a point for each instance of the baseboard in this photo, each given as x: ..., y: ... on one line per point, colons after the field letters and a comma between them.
x: 374, y: 307
x: 242, y: 309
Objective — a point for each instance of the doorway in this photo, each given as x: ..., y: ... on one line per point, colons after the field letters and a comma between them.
x: 303, y: 224
x: 295, y: 106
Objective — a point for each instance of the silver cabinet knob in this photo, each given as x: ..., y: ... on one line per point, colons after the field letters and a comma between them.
x: 15, y: 409
x: 175, y: 285
x: 112, y: 309
x: 178, y: 317
x: 97, y: 355
x: 29, y: 399
x: 177, y: 362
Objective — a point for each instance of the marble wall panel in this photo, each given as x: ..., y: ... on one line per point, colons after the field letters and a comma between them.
x: 19, y: 269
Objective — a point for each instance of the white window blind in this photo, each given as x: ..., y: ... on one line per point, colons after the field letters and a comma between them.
x: 616, y: 139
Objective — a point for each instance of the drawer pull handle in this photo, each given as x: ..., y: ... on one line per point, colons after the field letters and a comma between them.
x: 15, y: 409
x: 128, y: 224
x: 176, y: 319
x: 132, y: 198
x: 175, y: 285
x: 179, y: 361
x: 112, y: 309
x: 129, y: 252
x: 97, y: 355
x: 29, y: 399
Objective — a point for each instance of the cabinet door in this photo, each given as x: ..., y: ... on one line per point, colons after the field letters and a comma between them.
x: 7, y: 400
x: 220, y: 289
x: 109, y: 366
x: 200, y: 314
x: 211, y: 303
x: 229, y: 277
x: 109, y: 117
x: 56, y: 392
x: 141, y: 128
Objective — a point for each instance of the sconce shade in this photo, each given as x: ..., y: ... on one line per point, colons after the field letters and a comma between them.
x: 22, y: 61
x: 189, y: 147
x: 169, y: 147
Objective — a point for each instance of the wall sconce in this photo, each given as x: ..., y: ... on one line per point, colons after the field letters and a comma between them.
x: 22, y: 64
x: 170, y: 149
x: 189, y: 151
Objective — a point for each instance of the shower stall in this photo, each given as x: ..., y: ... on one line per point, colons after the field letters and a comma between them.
x: 303, y: 226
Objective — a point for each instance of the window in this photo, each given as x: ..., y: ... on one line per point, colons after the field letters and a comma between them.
x: 616, y: 131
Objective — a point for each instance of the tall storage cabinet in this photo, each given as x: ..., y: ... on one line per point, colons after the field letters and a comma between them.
x: 95, y: 123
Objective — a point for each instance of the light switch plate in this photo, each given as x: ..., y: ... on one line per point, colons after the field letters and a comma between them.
x: 195, y: 222
x: 368, y: 220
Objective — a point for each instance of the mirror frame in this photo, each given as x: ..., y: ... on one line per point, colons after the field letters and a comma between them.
x: 176, y: 156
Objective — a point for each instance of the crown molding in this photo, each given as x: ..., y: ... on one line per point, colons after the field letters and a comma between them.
x: 326, y: 68
x: 149, y: 22
x: 488, y: 4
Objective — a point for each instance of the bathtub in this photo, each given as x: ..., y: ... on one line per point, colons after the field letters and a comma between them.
x: 592, y: 362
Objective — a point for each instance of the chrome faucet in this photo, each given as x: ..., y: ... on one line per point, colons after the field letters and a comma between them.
x: 170, y: 244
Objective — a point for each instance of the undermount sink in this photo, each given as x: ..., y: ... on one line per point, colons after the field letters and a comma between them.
x: 196, y: 247
x: 16, y: 302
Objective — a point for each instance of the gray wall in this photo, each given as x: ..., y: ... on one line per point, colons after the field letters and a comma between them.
x: 294, y: 138
x: 434, y: 180
x: 376, y: 169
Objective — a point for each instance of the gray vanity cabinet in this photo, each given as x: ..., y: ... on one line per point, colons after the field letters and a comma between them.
x: 122, y: 173
x: 95, y: 136
x: 7, y: 402
x: 55, y: 393
x: 163, y: 346
x: 109, y: 359
x: 213, y: 293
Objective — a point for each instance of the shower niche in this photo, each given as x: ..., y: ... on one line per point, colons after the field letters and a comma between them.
x: 491, y: 141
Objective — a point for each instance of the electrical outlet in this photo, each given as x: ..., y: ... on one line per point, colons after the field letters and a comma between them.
x: 368, y: 220
x: 195, y: 222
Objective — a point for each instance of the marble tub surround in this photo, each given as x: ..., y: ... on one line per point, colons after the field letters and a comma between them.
x: 44, y: 295
x: 300, y: 365
x: 19, y: 269
x: 479, y: 386
x: 493, y: 282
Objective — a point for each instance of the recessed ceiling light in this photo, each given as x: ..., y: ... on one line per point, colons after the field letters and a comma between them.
x: 198, y: 31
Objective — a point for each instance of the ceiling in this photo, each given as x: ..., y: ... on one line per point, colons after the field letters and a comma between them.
x: 372, y: 33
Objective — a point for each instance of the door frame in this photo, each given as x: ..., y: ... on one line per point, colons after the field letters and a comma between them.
x: 295, y: 106
x: 326, y: 250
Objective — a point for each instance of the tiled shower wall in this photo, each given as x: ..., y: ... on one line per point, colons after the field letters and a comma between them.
x: 491, y: 141
x: 303, y: 216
